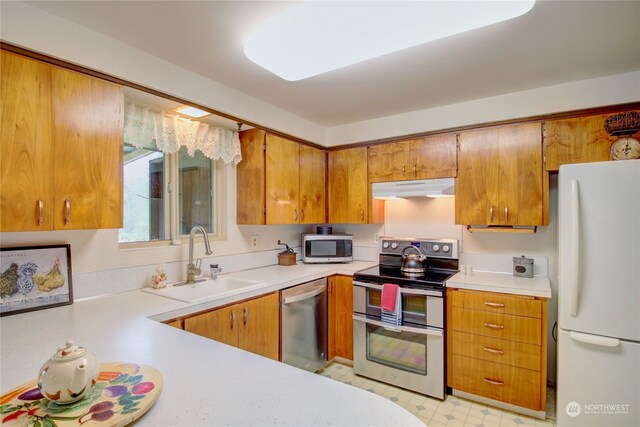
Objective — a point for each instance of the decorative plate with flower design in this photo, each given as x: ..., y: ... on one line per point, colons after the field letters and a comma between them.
x: 123, y: 393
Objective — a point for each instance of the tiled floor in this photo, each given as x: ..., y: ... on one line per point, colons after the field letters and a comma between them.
x: 452, y: 412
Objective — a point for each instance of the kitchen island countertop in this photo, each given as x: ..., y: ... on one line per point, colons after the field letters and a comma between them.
x: 205, y: 382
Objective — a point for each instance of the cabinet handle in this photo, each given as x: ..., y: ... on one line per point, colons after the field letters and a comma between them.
x: 491, y: 214
x: 362, y: 214
x: 506, y: 214
x: 403, y: 169
x: 67, y: 212
x: 493, y: 326
x: 302, y: 211
x: 40, y: 212
x: 295, y: 215
x: 494, y: 304
x: 415, y: 169
x: 233, y: 319
x: 493, y: 350
x: 245, y: 316
x: 493, y: 382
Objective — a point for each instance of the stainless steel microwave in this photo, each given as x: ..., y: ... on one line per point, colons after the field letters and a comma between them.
x: 327, y: 248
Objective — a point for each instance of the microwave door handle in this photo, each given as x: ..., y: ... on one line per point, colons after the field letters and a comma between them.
x: 421, y: 331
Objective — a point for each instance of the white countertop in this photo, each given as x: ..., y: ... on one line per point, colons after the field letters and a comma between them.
x: 507, y: 283
x: 205, y: 382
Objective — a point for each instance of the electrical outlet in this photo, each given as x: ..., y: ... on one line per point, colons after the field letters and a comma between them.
x: 376, y: 237
x: 254, y: 240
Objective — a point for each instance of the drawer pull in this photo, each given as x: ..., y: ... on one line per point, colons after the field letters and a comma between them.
x: 493, y: 326
x: 493, y: 350
x: 494, y: 304
x: 493, y: 382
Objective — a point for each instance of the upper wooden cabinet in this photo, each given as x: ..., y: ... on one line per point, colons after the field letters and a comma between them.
x: 423, y: 158
x: 500, y: 177
x: 251, y: 325
x: 349, y: 190
x: 280, y: 181
x: 61, y: 147
x: 577, y: 140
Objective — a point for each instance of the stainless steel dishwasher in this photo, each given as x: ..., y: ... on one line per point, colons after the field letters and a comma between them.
x: 304, y: 325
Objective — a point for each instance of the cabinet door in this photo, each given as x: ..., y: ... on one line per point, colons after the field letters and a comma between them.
x: 358, y: 186
x: 389, y: 162
x: 221, y: 325
x: 433, y: 157
x: 521, y: 181
x: 26, y: 195
x: 338, y: 186
x: 88, y: 145
x: 250, y: 172
x: 282, y: 186
x: 577, y: 140
x: 260, y: 326
x: 313, y: 173
x: 477, y: 184
x: 340, y: 317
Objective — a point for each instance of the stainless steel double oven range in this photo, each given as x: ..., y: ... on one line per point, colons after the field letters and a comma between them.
x: 411, y: 355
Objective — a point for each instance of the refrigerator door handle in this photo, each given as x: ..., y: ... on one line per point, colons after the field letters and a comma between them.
x: 594, y: 339
x: 575, y: 249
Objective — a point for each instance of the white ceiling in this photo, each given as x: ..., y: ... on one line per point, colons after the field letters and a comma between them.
x: 556, y: 42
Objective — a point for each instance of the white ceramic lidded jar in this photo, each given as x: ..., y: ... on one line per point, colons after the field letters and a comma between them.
x: 69, y: 375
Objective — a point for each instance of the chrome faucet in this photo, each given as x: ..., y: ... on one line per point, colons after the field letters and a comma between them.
x: 194, y: 269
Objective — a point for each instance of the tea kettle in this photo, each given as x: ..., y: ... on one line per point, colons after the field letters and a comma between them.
x: 412, y: 263
x: 69, y: 375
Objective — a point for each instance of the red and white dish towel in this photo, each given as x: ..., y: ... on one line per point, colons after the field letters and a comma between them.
x: 391, y: 304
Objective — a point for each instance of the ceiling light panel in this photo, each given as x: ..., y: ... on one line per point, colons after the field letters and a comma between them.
x: 192, y: 111
x: 315, y: 37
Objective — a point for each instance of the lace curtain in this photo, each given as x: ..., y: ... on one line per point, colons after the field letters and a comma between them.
x: 146, y: 128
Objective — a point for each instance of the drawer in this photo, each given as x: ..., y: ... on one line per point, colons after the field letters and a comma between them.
x: 507, y: 384
x: 496, y: 303
x: 503, y: 326
x: 496, y: 350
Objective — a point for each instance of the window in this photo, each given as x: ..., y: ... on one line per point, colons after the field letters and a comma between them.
x: 151, y: 189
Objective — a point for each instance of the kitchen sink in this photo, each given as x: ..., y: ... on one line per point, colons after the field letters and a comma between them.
x: 205, y: 289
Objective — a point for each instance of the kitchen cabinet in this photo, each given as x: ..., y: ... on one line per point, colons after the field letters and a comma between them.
x: 349, y: 189
x: 422, y: 158
x: 577, y: 140
x: 340, y: 317
x: 280, y: 181
x: 251, y: 325
x: 178, y: 323
x: 62, y: 146
x: 500, y: 179
x: 497, y: 347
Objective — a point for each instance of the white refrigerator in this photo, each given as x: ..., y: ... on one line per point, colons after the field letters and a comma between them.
x: 598, y: 375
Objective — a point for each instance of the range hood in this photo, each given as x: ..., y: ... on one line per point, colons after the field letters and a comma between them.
x: 443, y: 187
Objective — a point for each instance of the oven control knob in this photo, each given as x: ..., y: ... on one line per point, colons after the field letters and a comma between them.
x: 445, y: 248
x: 385, y: 245
x: 394, y: 245
x: 435, y: 248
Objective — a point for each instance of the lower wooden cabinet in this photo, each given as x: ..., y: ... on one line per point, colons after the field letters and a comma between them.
x: 497, y: 347
x: 252, y: 325
x: 340, y: 317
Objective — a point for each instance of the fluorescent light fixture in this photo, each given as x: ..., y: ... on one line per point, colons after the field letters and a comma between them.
x: 433, y: 188
x: 192, y: 111
x: 315, y: 37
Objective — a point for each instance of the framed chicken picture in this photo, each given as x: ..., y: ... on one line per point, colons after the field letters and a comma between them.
x: 34, y: 278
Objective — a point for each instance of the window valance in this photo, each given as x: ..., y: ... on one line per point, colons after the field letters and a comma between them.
x: 146, y: 128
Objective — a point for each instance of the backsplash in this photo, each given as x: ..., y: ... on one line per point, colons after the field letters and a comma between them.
x: 96, y: 283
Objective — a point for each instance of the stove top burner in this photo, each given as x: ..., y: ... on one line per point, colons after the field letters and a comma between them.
x: 384, y: 274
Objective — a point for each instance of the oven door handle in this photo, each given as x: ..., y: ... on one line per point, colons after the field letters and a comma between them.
x: 404, y: 291
x: 421, y: 331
